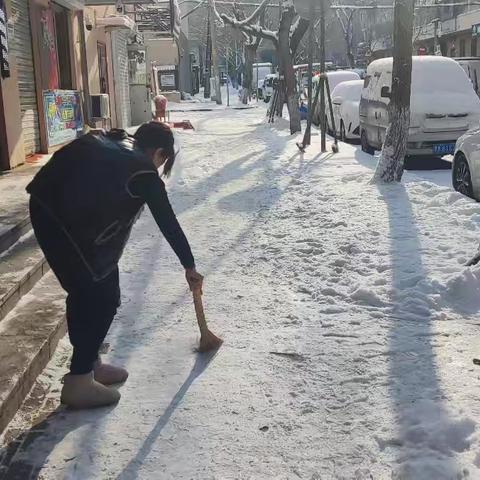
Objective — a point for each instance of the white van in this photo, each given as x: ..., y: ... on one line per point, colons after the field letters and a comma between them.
x: 260, y: 71
x: 268, y: 86
x: 443, y: 105
x: 334, y: 78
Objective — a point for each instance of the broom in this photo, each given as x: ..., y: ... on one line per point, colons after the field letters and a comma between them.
x: 208, y: 340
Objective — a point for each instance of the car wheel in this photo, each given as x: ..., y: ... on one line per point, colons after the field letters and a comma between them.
x: 461, y: 177
x: 343, y: 134
x: 366, y: 147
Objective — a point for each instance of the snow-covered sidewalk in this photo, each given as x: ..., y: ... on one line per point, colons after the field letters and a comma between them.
x: 349, y: 322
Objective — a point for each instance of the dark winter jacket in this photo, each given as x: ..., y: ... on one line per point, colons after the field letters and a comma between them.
x: 86, y: 187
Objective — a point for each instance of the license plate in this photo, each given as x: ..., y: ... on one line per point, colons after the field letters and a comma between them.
x: 444, y: 148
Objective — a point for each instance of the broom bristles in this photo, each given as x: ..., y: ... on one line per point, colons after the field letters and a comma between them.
x: 209, y: 341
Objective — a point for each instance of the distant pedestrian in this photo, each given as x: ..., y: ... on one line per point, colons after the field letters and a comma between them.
x: 83, y: 205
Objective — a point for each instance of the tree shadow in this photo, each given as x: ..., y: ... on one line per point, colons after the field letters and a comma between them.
x: 131, y: 470
x: 414, y: 384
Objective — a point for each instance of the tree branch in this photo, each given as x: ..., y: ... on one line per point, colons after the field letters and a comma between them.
x: 342, y: 23
x: 253, y: 30
x: 255, y: 15
x: 298, y: 31
x: 215, y: 12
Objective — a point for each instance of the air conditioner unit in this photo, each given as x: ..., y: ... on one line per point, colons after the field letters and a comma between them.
x: 100, y: 106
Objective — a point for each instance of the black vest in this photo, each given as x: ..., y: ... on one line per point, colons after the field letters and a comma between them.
x: 85, y: 187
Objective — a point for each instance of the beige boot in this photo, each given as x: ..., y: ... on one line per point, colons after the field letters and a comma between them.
x: 82, y: 391
x: 108, y: 374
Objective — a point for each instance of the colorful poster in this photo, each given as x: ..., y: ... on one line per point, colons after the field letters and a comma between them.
x: 63, y: 115
x: 49, y: 47
x: 4, y: 61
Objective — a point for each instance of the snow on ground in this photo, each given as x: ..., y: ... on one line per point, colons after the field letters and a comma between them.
x: 349, y: 320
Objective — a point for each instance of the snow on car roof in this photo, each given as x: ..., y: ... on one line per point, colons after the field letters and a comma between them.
x: 439, y: 85
x: 339, y: 76
x: 351, y: 89
x: 422, y: 60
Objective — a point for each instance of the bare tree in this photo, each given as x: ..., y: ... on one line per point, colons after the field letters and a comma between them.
x: 214, y: 39
x: 251, y: 44
x: 391, y: 163
x: 286, y: 41
x: 345, y: 17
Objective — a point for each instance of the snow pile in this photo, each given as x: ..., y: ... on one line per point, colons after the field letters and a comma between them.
x: 462, y: 290
x: 427, y: 435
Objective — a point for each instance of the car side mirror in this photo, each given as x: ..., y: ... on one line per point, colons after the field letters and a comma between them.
x: 385, y: 92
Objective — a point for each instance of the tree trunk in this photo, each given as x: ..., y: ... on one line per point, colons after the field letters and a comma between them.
x: 350, y: 56
x: 390, y: 165
x: 216, y: 70
x: 286, y: 72
x: 281, y: 98
x: 250, y: 53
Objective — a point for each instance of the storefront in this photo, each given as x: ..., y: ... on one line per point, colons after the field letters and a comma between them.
x: 59, y: 71
x: 20, y: 37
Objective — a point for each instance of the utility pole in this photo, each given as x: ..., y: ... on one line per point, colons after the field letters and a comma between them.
x: 216, y: 70
x: 308, y: 131
x: 323, y: 123
x: 436, y: 46
x: 227, y: 69
x: 208, y: 60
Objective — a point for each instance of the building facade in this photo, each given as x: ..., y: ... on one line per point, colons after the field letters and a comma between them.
x: 46, y: 56
x: 56, y: 55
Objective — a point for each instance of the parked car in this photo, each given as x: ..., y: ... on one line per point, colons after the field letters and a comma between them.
x: 443, y: 106
x: 346, y: 103
x: 471, y: 65
x: 268, y: 86
x: 223, y: 78
x: 334, y: 78
x: 466, y: 164
x: 361, y: 72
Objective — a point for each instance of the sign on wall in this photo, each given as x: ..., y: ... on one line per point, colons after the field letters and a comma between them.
x: 4, y: 62
x: 63, y: 116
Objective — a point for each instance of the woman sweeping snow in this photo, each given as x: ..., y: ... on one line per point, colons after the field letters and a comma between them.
x: 83, y: 204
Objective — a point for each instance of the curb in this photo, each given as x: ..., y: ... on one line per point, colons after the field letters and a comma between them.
x: 13, y: 296
x: 28, y: 339
x: 13, y: 234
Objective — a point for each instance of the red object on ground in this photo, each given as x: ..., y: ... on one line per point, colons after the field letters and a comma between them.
x: 185, y: 124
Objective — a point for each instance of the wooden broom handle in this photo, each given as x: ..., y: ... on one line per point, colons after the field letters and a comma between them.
x: 197, y: 300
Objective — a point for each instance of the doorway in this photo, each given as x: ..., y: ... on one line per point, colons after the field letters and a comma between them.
x: 62, y: 34
x: 102, y: 67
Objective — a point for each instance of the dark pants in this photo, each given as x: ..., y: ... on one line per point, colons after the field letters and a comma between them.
x: 91, y: 306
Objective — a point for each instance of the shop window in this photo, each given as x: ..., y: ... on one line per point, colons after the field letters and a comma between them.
x: 62, y: 34
x: 462, y: 47
x: 474, y: 47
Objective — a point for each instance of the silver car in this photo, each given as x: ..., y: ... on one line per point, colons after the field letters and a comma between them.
x: 466, y: 164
